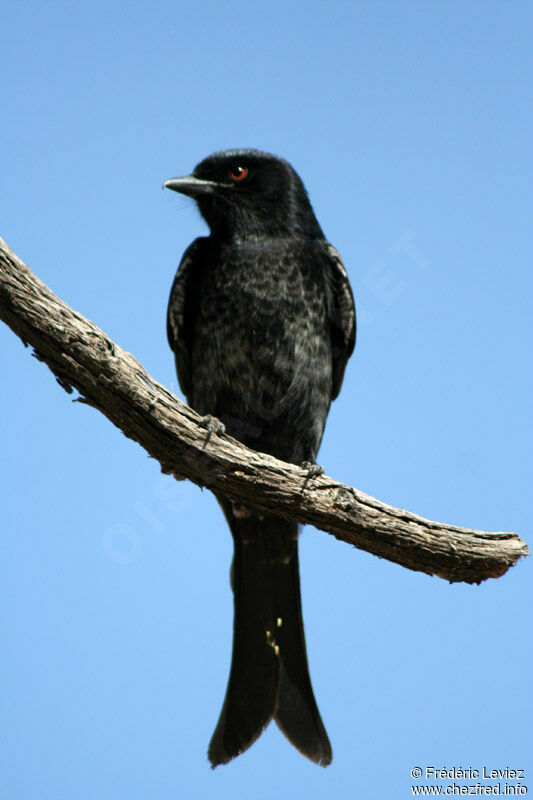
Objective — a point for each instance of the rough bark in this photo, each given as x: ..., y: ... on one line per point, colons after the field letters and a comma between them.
x: 112, y: 380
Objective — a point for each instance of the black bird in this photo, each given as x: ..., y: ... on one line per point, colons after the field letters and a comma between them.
x: 261, y: 319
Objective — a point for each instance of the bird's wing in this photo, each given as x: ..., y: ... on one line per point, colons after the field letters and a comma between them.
x: 178, y: 322
x: 341, y: 317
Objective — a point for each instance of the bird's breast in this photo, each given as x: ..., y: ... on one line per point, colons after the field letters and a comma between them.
x: 262, y: 350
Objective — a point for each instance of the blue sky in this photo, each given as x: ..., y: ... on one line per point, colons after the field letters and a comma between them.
x: 410, y: 124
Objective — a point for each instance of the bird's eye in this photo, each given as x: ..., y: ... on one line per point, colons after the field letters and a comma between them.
x: 238, y: 172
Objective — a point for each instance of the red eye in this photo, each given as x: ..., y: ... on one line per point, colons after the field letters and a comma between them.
x: 238, y: 172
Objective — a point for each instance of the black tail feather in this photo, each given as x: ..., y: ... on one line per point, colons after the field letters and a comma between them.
x: 297, y: 714
x: 254, y: 677
x: 269, y: 675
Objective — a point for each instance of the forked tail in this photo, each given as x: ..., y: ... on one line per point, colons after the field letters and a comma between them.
x: 269, y: 674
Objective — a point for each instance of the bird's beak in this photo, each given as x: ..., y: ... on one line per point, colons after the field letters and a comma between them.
x: 190, y: 185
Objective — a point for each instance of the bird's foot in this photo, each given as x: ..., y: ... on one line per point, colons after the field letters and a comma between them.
x: 212, y: 425
x: 313, y: 470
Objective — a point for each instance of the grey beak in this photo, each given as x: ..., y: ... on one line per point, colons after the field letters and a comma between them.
x: 190, y: 185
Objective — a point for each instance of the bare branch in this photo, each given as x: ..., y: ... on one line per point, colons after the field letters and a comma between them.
x: 113, y: 381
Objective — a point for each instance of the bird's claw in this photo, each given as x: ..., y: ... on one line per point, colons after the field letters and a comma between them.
x: 212, y: 425
x: 313, y: 470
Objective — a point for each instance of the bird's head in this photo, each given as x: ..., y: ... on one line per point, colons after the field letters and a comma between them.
x: 249, y: 193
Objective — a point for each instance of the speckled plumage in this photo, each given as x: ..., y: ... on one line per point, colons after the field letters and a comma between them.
x: 260, y: 343
x: 262, y: 323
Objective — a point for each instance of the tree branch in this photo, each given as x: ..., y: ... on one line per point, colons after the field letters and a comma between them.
x: 111, y: 380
